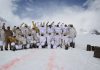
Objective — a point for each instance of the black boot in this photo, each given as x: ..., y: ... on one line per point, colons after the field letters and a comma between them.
x: 72, y: 44
x: 46, y: 44
x: 51, y: 46
x: 24, y: 46
x: 43, y: 46
x: 14, y: 48
x: 66, y: 47
x: 11, y: 47
x: 1, y: 48
x: 6, y: 48
x: 34, y: 45
x: 31, y: 46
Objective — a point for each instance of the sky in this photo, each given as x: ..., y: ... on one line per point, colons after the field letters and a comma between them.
x: 83, y: 14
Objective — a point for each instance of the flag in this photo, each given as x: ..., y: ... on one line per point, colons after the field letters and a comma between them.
x: 35, y: 27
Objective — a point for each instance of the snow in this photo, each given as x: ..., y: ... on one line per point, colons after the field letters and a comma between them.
x: 53, y: 59
x: 84, y: 39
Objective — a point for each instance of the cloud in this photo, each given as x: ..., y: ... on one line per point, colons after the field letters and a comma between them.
x: 6, y: 12
x: 37, y: 9
x: 82, y: 18
x: 85, y: 17
x: 93, y: 15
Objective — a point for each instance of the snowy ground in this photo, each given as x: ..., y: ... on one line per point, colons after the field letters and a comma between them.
x: 53, y: 59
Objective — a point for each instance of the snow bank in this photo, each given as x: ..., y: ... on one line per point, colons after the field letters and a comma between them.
x: 83, y: 40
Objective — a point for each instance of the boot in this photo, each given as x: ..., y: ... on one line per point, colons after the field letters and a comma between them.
x: 43, y: 46
x: 1, y: 48
x: 34, y: 45
x: 37, y: 46
x: 24, y: 46
x: 51, y: 46
x: 14, y: 48
x: 66, y: 47
x: 31, y: 45
x: 6, y: 48
x: 11, y: 47
x: 46, y: 43
x: 72, y: 44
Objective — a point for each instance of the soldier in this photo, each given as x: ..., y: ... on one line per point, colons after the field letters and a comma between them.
x: 8, y: 33
x: 57, y: 35
x: 50, y: 34
x: 25, y: 30
x: 64, y: 39
x: 57, y: 40
x: 42, y: 36
x: 34, y: 34
x: 23, y: 42
x: 30, y: 41
x: 71, y: 35
x: 42, y: 41
x: 18, y: 33
x: 35, y: 37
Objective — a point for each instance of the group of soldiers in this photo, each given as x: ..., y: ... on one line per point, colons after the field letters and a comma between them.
x: 40, y: 35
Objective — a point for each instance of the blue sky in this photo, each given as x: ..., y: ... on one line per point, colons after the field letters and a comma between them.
x: 37, y: 8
